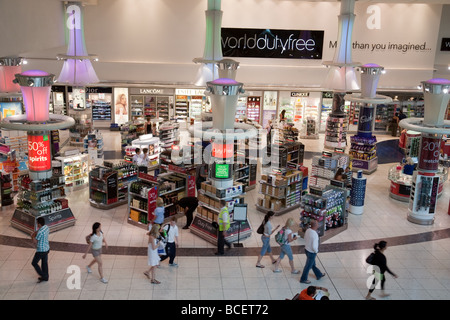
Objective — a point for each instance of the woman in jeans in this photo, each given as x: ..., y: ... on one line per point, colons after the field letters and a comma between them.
x: 380, y: 261
x: 265, y: 238
x: 286, y: 247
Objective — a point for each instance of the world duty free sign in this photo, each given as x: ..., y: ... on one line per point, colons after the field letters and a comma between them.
x: 272, y: 43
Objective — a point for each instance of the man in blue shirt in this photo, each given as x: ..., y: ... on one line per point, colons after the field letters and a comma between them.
x: 40, y: 238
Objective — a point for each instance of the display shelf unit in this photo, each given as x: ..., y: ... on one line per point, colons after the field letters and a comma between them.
x: 163, y: 108
x: 181, y: 107
x: 253, y: 108
x: 310, y: 129
x: 327, y: 206
x: 196, y: 106
x: 108, y: 186
x: 75, y: 168
x: 241, y: 109
x: 285, y: 155
x: 281, y: 193
x: 12, y: 140
x: 208, y: 211
x: 82, y: 126
x: 169, y: 135
x: 128, y: 133
x: 142, y: 194
x: 336, y: 132
x: 384, y: 114
x: 101, y: 110
x: 323, y: 170
x: 364, y: 154
x: 6, y: 190
x: 136, y: 107
x: 42, y: 198
x: 93, y: 146
x: 326, y: 108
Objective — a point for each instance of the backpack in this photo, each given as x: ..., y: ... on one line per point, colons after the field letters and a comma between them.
x: 370, y: 258
x: 88, y: 238
x: 280, y: 237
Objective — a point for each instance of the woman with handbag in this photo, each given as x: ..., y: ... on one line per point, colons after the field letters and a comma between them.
x: 265, y: 229
x: 379, y: 259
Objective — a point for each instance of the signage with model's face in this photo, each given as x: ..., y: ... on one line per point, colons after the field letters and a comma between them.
x: 39, y: 153
x: 272, y: 43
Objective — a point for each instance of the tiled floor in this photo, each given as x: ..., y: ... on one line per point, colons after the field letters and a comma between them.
x: 420, y: 255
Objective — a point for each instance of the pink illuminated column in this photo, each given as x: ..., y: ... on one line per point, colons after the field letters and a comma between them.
x: 35, y: 86
x: 9, y: 67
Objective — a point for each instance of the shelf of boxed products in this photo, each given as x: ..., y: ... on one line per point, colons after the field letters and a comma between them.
x: 336, y: 132
x: 163, y: 110
x: 75, y: 169
x: 128, y: 133
x: 282, y: 193
x: 136, y: 107
x: 363, y: 151
x: 143, y: 192
x: 42, y: 198
x: 101, y: 110
x: 327, y: 206
x: 323, y: 170
x: 108, y: 186
x: 14, y: 140
x: 169, y: 134
x: 208, y: 211
x: 93, y: 145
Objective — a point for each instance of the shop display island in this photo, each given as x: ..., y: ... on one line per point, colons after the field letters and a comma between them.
x: 328, y: 207
x: 42, y: 198
x: 402, y: 183
x: 282, y: 193
x: 142, y: 194
x: 75, y: 168
x: 208, y: 212
x: 108, y: 186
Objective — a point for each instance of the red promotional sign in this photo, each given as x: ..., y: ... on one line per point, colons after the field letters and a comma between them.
x: 39, y: 153
x: 191, y: 186
x: 222, y: 151
x: 152, y: 195
x: 429, y: 153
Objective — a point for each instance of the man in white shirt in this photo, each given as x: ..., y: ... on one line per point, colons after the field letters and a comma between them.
x: 311, y: 250
x: 137, y: 157
x: 172, y: 241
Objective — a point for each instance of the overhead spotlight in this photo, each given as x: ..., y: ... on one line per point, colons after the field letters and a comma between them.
x: 24, y: 61
x: 383, y: 71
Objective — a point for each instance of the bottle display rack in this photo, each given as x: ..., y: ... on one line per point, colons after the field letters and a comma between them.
x: 6, y: 191
x: 42, y: 198
x: 142, y: 194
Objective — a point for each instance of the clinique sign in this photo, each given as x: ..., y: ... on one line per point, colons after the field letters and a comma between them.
x: 272, y: 43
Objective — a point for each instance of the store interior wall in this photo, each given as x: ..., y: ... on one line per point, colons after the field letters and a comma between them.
x: 140, y: 42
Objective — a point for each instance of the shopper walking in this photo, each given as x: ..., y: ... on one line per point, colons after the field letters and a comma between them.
x: 311, y: 250
x: 288, y: 237
x: 224, y: 225
x: 379, y: 260
x: 189, y: 204
x: 40, y: 238
x: 265, y: 238
x: 96, y: 241
x: 152, y: 253
x: 171, y: 229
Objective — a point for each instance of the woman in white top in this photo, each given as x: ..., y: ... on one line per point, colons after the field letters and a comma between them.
x: 95, y: 243
x: 153, y: 256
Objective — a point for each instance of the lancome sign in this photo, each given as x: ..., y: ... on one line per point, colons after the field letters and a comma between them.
x: 152, y: 91
x: 272, y: 43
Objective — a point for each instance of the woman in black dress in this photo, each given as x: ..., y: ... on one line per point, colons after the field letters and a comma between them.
x: 379, y: 260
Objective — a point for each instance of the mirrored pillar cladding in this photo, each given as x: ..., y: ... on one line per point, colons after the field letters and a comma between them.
x: 363, y: 145
x: 425, y: 182
x: 341, y: 76
x: 77, y: 68
x: 9, y: 67
x: 224, y: 95
x: 35, y: 86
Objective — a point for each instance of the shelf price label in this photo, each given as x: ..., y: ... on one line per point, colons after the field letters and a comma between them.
x: 39, y: 153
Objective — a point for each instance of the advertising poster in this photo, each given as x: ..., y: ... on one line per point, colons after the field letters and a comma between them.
x: 120, y: 105
x: 10, y: 109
